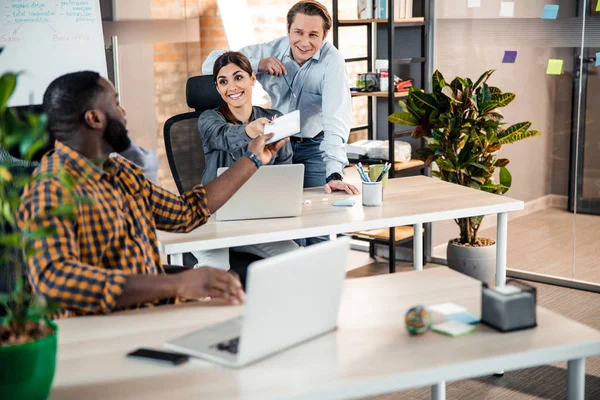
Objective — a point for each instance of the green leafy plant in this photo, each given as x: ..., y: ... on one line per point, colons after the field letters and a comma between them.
x: 25, y: 313
x: 462, y: 124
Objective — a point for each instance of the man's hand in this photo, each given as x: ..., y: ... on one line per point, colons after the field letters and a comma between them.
x: 265, y: 153
x: 209, y: 282
x: 257, y: 127
x: 341, y: 186
x: 272, y: 66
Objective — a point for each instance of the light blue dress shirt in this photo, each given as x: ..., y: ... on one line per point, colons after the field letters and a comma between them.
x: 322, y: 94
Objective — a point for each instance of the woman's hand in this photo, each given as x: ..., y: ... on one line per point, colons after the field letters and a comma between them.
x: 257, y: 127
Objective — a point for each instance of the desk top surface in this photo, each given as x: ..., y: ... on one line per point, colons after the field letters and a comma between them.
x: 406, y: 201
x: 370, y: 352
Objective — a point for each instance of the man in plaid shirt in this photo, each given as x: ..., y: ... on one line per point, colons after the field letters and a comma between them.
x: 107, y: 258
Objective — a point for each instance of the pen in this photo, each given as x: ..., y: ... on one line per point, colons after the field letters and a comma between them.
x: 383, y: 172
x: 360, y: 173
x: 364, y: 174
x: 288, y: 85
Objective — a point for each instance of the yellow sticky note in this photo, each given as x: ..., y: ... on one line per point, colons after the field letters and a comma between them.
x: 598, y: 6
x: 555, y: 67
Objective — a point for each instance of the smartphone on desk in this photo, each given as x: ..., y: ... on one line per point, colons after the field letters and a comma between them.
x: 160, y: 356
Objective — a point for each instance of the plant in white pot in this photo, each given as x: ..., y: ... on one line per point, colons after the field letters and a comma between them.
x: 28, y: 340
x: 462, y: 124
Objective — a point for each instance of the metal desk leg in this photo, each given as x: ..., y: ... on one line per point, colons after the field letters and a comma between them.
x: 438, y: 392
x: 392, y: 247
x: 176, y: 259
x: 418, y: 246
x: 501, y: 246
x: 576, y: 379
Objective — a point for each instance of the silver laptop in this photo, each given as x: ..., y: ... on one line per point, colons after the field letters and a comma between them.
x: 289, y: 299
x: 273, y: 191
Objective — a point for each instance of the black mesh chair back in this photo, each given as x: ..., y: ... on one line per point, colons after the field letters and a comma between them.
x: 183, y: 143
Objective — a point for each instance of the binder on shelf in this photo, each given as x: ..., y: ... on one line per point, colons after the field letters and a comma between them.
x: 408, y: 10
x: 366, y: 8
x: 382, y: 9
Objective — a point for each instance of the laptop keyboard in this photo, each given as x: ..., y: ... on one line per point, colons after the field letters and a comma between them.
x: 230, y: 346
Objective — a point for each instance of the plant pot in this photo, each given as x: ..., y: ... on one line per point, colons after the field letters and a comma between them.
x: 27, y: 369
x: 476, y: 262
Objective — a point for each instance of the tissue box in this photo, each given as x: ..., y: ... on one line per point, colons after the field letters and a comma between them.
x: 509, y: 308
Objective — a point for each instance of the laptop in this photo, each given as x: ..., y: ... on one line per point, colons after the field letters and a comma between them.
x: 274, y: 191
x: 290, y: 298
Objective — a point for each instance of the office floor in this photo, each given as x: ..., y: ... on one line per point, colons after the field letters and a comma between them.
x: 547, y: 382
x: 543, y: 242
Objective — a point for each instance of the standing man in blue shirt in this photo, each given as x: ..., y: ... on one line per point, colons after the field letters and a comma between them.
x: 318, y: 87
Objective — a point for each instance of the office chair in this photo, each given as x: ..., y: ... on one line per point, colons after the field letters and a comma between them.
x: 185, y: 154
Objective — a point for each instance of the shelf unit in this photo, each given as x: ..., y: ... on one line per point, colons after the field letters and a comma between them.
x: 408, y: 46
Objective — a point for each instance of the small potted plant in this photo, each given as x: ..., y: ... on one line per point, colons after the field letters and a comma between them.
x: 28, y: 341
x: 462, y: 124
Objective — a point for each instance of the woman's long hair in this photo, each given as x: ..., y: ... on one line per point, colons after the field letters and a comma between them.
x: 239, y: 59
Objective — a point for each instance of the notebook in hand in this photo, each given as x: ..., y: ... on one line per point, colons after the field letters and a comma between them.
x: 284, y: 126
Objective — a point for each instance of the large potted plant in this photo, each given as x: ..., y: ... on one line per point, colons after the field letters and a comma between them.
x: 462, y: 124
x: 28, y: 341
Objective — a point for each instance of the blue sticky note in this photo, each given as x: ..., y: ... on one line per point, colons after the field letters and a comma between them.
x: 343, y: 203
x: 509, y: 56
x: 550, y: 11
x: 464, y: 317
x: 598, y: 57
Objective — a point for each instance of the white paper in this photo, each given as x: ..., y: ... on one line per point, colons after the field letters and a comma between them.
x: 446, y: 308
x: 507, y: 9
x: 474, y: 3
x: 284, y: 126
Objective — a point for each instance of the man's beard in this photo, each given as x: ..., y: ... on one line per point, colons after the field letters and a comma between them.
x: 116, y: 136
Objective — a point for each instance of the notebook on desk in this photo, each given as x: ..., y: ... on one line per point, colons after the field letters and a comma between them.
x: 285, y: 305
x: 274, y: 191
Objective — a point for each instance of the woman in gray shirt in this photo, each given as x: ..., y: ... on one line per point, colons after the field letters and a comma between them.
x: 226, y: 132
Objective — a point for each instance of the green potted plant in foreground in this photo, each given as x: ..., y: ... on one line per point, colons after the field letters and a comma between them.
x: 462, y: 124
x: 28, y: 341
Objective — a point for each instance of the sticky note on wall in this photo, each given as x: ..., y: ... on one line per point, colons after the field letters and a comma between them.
x: 555, y: 67
x: 507, y: 9
x: 474, y: 3
x: 510, y: 57
x: 550, y: 11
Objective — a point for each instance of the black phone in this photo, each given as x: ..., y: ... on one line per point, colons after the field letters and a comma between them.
x: 162, y: 356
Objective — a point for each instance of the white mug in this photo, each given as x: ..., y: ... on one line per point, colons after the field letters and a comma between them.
x: 372, y: 194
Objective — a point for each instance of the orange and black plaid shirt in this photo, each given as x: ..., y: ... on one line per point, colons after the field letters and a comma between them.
x: 84, y: 265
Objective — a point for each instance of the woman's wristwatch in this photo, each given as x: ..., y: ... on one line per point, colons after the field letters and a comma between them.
x: 254, y: 158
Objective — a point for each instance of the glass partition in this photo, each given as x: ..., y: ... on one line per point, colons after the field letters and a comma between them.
x: 540, y: 53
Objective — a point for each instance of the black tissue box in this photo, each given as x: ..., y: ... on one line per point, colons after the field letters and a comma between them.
x: 509, y: 308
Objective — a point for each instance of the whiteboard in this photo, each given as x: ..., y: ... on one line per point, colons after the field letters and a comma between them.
x: 49, y: 38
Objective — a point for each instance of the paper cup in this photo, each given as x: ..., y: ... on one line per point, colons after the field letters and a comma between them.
x: 372, y: 194
x: 375, y: 171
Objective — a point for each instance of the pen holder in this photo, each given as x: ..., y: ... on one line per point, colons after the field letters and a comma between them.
x: 372, y: 194
x: 375, y: 171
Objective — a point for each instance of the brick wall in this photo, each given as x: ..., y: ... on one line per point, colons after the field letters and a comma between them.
x: 175, y: 62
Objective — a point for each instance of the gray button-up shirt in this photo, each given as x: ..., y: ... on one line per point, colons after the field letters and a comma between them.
x: 224, y: 143
x: 321, y: 87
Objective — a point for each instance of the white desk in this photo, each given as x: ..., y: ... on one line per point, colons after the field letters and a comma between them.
x: 407, y: 201
x: 370, y: 353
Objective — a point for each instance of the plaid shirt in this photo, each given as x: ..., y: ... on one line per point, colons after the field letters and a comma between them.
x: 84, y: 265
